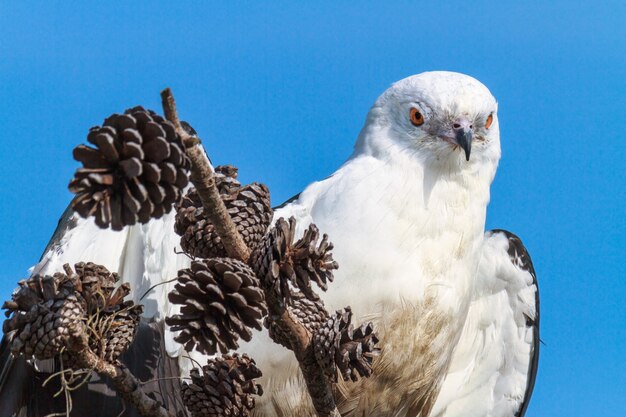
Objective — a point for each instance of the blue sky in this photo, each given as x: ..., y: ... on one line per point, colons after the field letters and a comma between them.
x: 281, y: 90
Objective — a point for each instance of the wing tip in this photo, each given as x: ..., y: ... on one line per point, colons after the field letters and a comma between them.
x: 520, y: 257
x: 289, y: 201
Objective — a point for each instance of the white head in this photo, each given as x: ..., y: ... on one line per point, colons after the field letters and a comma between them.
x: 440, y: 118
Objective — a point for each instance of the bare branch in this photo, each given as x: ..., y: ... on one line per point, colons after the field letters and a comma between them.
x: 318, y: 385
x: 203, y: 179
x: 125, y: 382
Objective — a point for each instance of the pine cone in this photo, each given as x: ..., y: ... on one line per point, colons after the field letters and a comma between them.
x: 96, y: 286
x: 136, y: 172
x: 339, y: 347
x: 119, y: 330
x: 190, y: 209
x: 42, y: 315
x: 279, y: 262
x: 221, y: 300
x: 114, y: 321
x: 225, y: 387
x: 77, y: 299
x: 248, y: 206
x: 311, y: 314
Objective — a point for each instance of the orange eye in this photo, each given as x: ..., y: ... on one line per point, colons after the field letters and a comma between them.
x: 489, y: 121
x: 416, y: 117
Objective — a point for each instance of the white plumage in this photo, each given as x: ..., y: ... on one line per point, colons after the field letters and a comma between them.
x: 456, y: 308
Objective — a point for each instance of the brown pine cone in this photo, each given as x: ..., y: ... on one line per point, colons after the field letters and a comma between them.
x: 249, y: 207
x: 221, y: 300
x: 45, y: 311
x: 338, y: 346
x: 190, y: 209
x: 42, y: 315
x: 279, y: 262
x: 224, y: 387
x: 111, y: 333
x: 136, y: 171
x: 311, y: 314
x: 96, y: 285
x: 357, y: 351
x: 113, y: 320
x: 119, y: 330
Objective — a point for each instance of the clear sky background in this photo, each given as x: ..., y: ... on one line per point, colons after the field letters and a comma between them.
x: 281, y: 90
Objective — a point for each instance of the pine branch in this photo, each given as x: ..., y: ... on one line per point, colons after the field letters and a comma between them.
x: 300, y: 338
x: 124, y: 381
x: 203, y: 179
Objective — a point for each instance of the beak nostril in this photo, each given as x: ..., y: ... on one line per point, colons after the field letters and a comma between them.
x: 456, y: 126
x: 471, y: 126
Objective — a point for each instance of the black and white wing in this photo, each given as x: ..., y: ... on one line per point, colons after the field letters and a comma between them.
x: 143, y: 255
x: 494, y: 365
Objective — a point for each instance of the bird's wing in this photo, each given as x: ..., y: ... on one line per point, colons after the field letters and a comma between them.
x: 493, y: 368
x: 22, y: 393
x: 143, y: 255
x: 76, y: 239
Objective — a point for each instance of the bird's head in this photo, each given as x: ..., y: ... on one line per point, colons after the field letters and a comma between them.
x: 436, y: 116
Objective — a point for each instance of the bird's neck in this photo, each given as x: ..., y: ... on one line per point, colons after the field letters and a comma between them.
x: 436, y: 196
x: 416, y: 222
x: 437, y: 202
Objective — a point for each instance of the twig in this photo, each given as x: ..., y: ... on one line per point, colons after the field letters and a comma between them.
x: 124, y: 381
x: 177, y: 378
x: 156, y: 285
x: 203, y: 179
x: 64, y: 389
x: 193, y: 360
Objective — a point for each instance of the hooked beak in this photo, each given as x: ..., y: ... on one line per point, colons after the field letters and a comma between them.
x: 463, y: 135
x: 464, y: 139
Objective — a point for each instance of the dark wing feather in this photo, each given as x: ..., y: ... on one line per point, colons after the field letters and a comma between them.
x: 520, y: 257
x: 22, y: 393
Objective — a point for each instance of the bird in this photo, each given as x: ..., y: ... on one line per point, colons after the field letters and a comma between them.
x: 456, y: 308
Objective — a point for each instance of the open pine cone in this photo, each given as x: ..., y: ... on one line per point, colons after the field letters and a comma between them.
x: 279, y: 262
x: 136, y: 171
x: 248, y: 206
x: 96, y: 286
x: 221, y: 300
x: 223, y: 387
x: 190, y: 208
x: 311, y: 314
x: 43, y: 313
x: 114, y: 321
x: 338, y: 346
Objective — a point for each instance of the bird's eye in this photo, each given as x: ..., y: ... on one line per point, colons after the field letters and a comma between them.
x: 489, y: 121
x: 417, y: 118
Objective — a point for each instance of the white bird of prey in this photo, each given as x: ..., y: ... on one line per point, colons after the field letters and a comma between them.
x: 456, y: 308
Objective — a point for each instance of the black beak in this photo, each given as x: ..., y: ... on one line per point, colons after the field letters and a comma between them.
x: 464, y: 139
